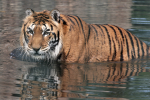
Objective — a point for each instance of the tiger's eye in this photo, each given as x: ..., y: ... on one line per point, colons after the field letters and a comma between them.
x: 29, y: 30
x: 47, y: 32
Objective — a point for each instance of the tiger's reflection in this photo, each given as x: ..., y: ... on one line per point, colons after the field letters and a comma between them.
x: 50, y: 82
x: 41, y: 83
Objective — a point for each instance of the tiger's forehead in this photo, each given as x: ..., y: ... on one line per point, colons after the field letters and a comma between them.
x: 43, y: 27
x: 41, y: 18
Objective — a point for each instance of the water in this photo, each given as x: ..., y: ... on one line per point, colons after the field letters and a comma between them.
x: 21, y: 80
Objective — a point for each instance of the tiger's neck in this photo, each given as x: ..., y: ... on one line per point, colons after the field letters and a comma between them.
x: 74, y: 39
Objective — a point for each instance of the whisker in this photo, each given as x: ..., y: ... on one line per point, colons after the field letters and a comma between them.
x: 23, y: 57
x: 47, y: 56
x: 22, y: 51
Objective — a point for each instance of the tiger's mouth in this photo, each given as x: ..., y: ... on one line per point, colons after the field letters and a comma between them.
x: 38, y: 56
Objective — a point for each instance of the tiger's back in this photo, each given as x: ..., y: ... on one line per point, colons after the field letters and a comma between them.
x: 105, y: 42
x: 118, y: 44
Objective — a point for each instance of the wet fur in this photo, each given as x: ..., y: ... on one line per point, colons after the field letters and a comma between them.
x: 82, y: 42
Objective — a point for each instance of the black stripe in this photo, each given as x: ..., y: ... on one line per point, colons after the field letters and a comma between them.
x: 120, y: 72
x: 45, y: 29
x: 101, y: 29
x: 81, y: 27
x: 142, y: 48
x: 127, y: 69
x: 82, y: 31
x: 114, y: 32
x: 131, y: 73
x: 89, y: 33
x: 54, y: 43
x: 58, y: 35
x: 114, y: 67
x: 114, y: 55
x: 108, y: 75
x: 94, y: 36
x: 127, y: 47
x: 108, y: 37
x: 137, y: 45
x: 74, y: 19
x: 70, y: 19
x: 54, y: 35
x: 132, y: 43
x: 68, y: 53
x: 120, y: 32
x: 137, y: 71
x: 71, y: 26
x: 142, y: 70
x: 26, y: 39
x: 45, y: 26
x: 147, y: 48
x: 120, y: 46
x: 121, y: 54
x: 94, y: 30
x: 64, y: 22
x: 51, y: 28
x: 101, y: 33
x: 115, y: 35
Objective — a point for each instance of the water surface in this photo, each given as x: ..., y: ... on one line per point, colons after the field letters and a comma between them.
x: 21, y: 80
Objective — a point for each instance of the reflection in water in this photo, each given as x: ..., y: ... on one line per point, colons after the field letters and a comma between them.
x: 41, y: 82
x: 94, y: 80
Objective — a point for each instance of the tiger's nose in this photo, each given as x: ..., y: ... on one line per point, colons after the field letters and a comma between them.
x: 36, y: 49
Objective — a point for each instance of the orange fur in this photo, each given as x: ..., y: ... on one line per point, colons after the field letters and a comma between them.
x: 82, y: 42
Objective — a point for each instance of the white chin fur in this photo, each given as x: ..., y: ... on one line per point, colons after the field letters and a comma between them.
x: 38, y: 57
x: 47, y: 55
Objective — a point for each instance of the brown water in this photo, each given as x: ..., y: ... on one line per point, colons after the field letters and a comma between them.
x: 20, y: 80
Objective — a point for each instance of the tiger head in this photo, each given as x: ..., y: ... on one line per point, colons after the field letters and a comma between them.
x: 41, y: 35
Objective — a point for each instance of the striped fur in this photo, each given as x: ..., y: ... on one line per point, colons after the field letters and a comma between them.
x: 82, y: 42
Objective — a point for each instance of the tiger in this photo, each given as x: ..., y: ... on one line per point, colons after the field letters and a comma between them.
x: 49, y: 35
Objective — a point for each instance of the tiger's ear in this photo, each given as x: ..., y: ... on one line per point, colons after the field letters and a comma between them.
x: 29, y: 12
x: 55, y: 14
